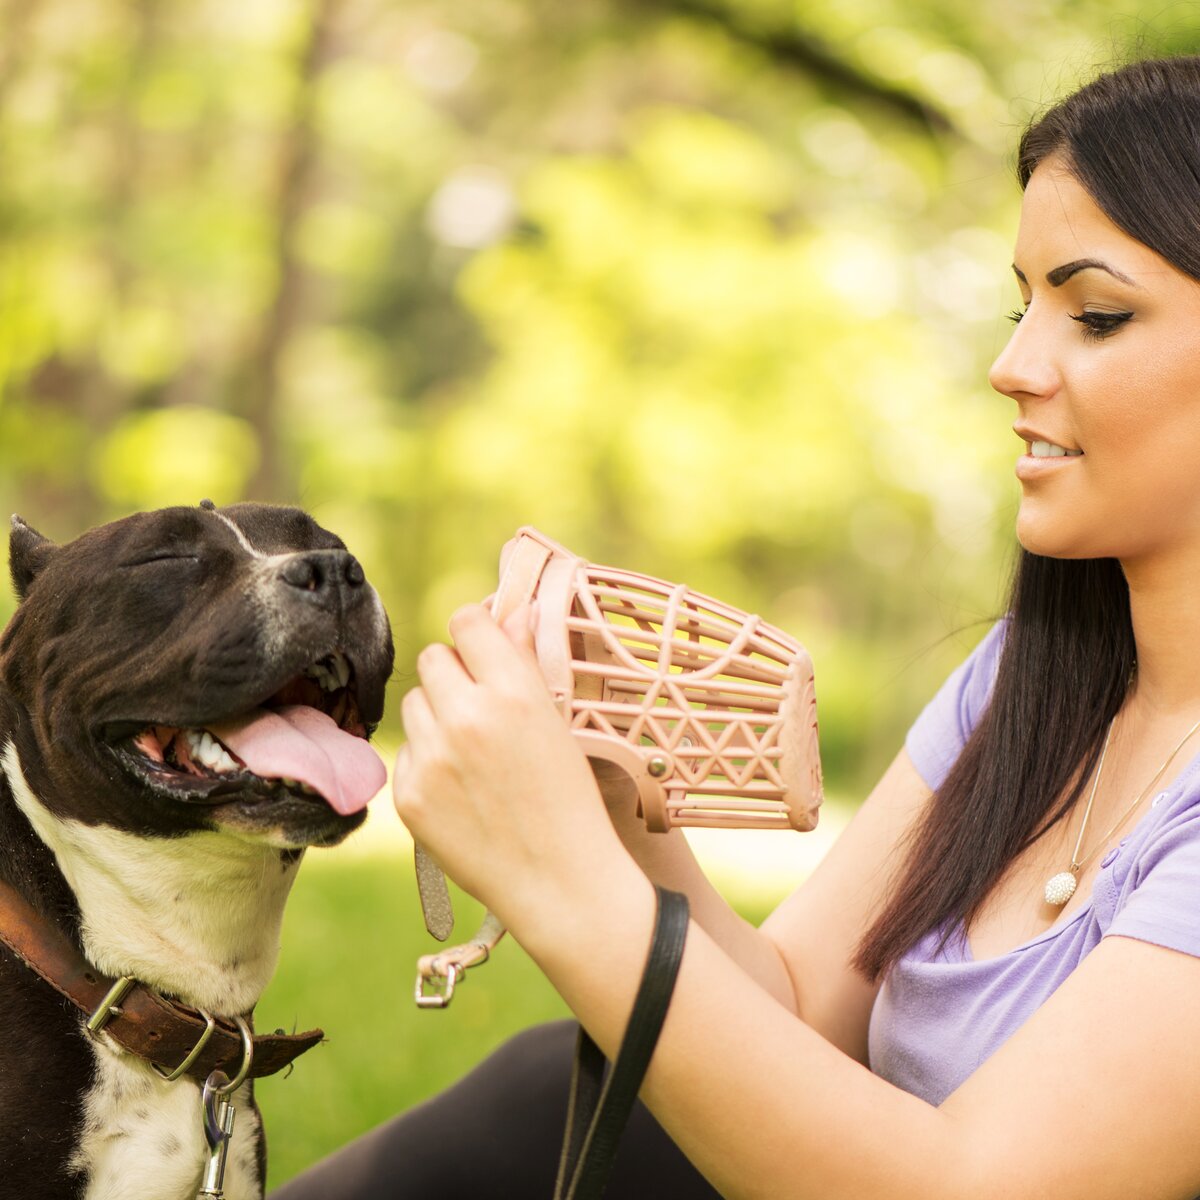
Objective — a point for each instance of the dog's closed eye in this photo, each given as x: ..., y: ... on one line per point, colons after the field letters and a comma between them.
x: 161, y: 558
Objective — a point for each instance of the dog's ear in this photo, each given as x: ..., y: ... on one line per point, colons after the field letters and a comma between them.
x: 28, y: 553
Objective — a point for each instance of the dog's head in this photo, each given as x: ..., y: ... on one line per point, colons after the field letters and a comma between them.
x: 197, y: 668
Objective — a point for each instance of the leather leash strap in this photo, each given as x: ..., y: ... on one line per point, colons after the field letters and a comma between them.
x: 599, y: 1108
x: 141, y: 1021
x: 438, y: 973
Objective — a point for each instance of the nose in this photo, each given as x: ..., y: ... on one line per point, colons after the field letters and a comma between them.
x: 326, y: 575
x: 1025, y: 368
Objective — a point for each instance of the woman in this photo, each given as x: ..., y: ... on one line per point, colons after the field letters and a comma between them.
x: 1023, y: 1039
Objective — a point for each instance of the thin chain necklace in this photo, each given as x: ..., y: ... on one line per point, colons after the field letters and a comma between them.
x: 1061, y: 887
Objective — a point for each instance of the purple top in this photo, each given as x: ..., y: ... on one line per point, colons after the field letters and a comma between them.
x: 938, y: 1017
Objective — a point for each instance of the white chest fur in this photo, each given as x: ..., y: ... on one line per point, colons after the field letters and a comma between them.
x: 197, y: 917
x: 143, y: 1137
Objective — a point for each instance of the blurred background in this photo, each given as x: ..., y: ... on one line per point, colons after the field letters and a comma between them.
x: 705, y: 288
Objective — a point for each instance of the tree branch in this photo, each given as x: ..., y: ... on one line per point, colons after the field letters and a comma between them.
x: 810, y: 56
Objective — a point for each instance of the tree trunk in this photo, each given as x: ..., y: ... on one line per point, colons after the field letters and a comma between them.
x: 274, y: 480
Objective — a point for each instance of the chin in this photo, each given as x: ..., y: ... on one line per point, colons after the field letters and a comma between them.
x: 1050, y: 539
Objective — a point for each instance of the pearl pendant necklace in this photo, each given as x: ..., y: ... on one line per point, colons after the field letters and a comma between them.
x: 1061, y: 887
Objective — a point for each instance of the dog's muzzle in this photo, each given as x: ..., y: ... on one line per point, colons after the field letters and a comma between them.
x: 709, y: 710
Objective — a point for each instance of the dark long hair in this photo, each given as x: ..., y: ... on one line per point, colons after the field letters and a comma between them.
x: 1132, y: 139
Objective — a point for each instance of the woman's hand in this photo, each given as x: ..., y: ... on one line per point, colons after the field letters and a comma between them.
x: 491, y: 781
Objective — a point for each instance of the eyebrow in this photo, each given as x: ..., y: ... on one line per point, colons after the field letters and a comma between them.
x: 1060, y: 275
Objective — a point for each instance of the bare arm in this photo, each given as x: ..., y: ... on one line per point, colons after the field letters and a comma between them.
x: 1092, y: 1099
x: 801, y: 953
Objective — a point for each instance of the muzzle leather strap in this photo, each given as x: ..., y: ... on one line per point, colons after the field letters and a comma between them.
x: 438, y: 973
x: 146, y: 1024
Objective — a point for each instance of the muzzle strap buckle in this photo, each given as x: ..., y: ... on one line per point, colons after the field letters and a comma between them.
x: 437, y: 974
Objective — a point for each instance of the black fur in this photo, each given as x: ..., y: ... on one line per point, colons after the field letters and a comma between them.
x: 146, y: 620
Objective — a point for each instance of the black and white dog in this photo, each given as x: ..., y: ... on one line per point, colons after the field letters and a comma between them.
x: 184, y: 701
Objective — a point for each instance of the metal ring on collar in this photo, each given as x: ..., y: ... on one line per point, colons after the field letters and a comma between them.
x: 247, y: 1058
x: 194, y: 1053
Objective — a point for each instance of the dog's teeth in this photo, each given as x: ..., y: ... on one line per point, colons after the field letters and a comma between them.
x: 332, y: 672
x: 207, y: 751
x: 298, y: 785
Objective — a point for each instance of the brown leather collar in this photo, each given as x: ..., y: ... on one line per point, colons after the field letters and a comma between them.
x: 159, y: 1030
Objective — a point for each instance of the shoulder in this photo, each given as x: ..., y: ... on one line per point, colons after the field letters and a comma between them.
x: 1152, y: 889
x: 941, y: 731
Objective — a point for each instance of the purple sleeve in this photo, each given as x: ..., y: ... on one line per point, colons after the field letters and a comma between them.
x: 938, y: 735
x: 1160, y: 900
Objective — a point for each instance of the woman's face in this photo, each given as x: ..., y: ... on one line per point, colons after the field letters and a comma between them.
x: 1105, y: 360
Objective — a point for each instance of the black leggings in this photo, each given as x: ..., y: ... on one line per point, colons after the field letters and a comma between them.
x: 495, y: 1135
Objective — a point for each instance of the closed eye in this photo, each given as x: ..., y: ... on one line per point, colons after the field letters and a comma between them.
x: 162, y: 558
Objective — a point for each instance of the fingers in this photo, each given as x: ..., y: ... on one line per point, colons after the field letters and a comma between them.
x: 420, y: 724
x: 401, y: 774
x: 489, y: 655
x: 445, y: 681
x: 420, y: 728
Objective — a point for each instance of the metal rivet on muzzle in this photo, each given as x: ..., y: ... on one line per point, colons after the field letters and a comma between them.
x: 658, y: 767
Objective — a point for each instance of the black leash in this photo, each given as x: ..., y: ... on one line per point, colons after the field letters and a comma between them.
x: 599, y: 1107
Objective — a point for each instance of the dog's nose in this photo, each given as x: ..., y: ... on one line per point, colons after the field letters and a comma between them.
x: 323, y: 572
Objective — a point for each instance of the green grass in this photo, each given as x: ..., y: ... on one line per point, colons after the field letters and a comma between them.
x: 352, y: 937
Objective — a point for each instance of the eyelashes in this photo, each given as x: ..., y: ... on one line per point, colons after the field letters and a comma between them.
x: 1096, y: 325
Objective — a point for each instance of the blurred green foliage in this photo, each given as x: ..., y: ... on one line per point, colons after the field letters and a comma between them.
x: 700, y: 288
x: 705, y: 288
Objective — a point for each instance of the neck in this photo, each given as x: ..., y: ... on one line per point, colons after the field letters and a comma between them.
x: 1166, y: 630
x: 196, y: 917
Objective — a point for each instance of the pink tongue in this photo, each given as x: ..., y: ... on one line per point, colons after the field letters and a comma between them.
x: 298, y: 742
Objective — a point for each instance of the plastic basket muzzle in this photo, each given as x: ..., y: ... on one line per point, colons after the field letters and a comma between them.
x: 709, y: 710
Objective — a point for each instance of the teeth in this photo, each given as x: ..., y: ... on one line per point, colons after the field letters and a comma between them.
x: 331, y: 673
x: 1050, y: 450
x: 207, y: 751
x: 297, y: 786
